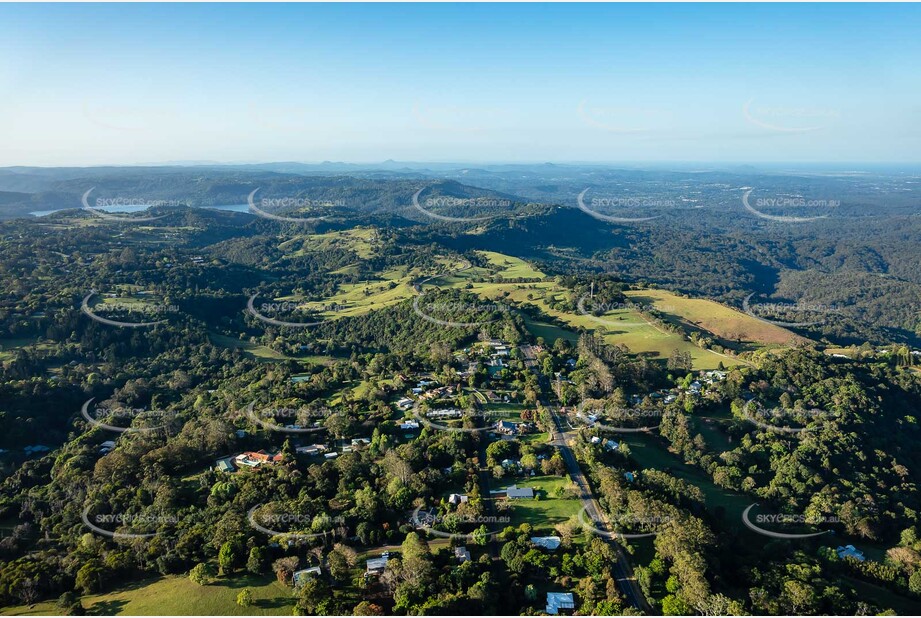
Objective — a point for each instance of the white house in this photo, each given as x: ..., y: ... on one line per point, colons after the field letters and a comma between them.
x: 461, y: 554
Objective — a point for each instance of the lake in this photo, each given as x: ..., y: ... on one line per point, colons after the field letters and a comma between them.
x: 141, y: 208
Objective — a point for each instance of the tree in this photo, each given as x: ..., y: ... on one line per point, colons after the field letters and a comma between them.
x: 245, y: 598
x: 256, y: 561
x: 313, y: 596
x: 201, y: 574
x: 226, y: 558
x: 675, y: 606
x: 367, y: 609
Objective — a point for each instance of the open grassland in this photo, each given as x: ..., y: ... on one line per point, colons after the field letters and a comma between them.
x: 353, y: 299
x: 166, y: 596
x: 361, y: 241
x: 621, y: 326
x: 731, y: 326
x: 511, y: 267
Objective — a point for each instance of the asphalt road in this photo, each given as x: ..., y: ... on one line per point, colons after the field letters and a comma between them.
x: 623, y: 570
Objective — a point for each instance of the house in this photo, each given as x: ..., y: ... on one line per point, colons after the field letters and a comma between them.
x: 849, y: 551
x: 611, y: 445
x: 311, y: 450
x: 510, y: 463
x: 409, y: 425
x: 457, y: 499
x: 332, y: 455
x: 106, y: 446
x: 596, y: 440
x: 449, y: 413
x: 300, y: 577
x: 225, y: 465
x: 405, y: 403
x: 629, y: 476
x: 514, y: 492
x: 241, y: 433
x: 376, y: 566
x: 549, y: 543
x: 360, y: 441
x: 461, y: 554
x: 506, y: 427
x: 559, y: 600
x: 252, y: 459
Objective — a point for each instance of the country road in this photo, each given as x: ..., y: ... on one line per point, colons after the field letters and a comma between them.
x: 623, y: 570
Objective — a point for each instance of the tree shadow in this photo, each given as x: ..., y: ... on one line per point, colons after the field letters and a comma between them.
x: 106, y: 608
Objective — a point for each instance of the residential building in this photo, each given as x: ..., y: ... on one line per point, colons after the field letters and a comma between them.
x: 559, y: 600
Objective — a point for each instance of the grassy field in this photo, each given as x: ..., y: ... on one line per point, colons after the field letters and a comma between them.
x: 550, y: 510
x: 511, y: 267
x: 732, y: 327
x: 390, y: 287
x: 175, y: 595
x: 550, y: 332
x: 263, y: 353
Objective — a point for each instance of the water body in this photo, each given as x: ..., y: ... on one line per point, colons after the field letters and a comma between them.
x: 143, y: 207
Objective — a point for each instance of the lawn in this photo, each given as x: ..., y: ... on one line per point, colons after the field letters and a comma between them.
x: 174, y: 595
x: 545, y: 513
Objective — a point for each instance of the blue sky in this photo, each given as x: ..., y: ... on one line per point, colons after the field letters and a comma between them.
x: 123, y: 84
